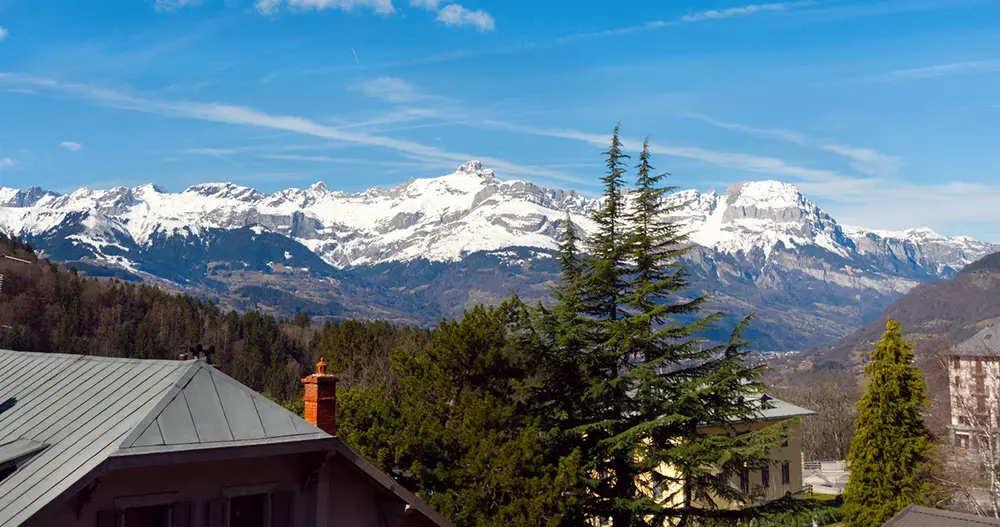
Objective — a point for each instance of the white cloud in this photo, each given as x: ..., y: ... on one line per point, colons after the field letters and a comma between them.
x: 3, y: 32
x: 6, y: 162
x: 72, y: 146
x: 940, y: 70
x: 865, y: 160
x: 382, y: 7
x: 690, y: 18
x: 245, y: 116
x: 714, y: 14
x: 430, y: 5
x: 267, y: 7
x: 173, y: 5
x: 764, y: 133
x: 456, y: 15
x: 392, y: 89
x: 746, y: 162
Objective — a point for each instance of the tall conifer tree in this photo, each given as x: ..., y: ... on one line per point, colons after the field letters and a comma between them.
x: 891, y: 448
x: 648, y: 383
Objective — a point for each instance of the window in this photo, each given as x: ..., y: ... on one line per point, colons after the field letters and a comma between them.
x: 745, y: 480
x: 765, y: 476
x: 980, y: 403
x: 249, y: 511
x: 980, y: 384
x: 956, y: 363
x: 963, y: 420
x: 786, y: 473
x: 150, y: 516
x: 958, y: 381
x: 979, y: 365
x: 261, y: 505
x: 963, y: 440
x: 151, y: 510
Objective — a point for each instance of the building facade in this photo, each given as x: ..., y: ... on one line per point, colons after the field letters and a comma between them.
x: 974, y: 391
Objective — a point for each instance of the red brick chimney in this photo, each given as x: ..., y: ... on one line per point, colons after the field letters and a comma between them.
x: 321, y: 399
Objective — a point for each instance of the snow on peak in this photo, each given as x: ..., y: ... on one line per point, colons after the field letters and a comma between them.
x: 476, y: 168
x: 770, y: 194
x: 225, y: 190
x: 439, y: 218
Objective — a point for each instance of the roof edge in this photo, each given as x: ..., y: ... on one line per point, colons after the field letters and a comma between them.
x: 386, y: 481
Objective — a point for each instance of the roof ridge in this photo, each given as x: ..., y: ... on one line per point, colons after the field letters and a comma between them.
x: 168, y: 396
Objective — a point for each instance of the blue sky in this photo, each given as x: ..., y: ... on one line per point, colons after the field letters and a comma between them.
x: 886, y: 113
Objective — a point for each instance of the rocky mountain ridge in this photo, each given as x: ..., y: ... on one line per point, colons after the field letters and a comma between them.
x: 760, y: 245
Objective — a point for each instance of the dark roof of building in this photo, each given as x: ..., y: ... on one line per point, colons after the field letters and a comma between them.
x: 63, y: 416
x: 986, y: 343
x: 917, y: 516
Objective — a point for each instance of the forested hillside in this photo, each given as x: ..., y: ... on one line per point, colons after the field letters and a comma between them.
x: 48, y: 308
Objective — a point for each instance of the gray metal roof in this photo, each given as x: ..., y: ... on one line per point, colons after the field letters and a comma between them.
x: 917, y: 516
x: 986, y: 343
x: 782, y: 410
x: 87, y: 410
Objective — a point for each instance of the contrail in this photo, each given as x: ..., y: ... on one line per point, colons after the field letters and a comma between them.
x: 355, y: 53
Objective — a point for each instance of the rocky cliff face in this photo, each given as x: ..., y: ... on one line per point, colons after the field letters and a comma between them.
x: 760, y: 245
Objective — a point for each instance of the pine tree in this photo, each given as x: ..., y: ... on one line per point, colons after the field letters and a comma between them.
x: 891, y: 448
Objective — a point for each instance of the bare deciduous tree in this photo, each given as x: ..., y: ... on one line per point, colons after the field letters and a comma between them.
x: 832, y: 395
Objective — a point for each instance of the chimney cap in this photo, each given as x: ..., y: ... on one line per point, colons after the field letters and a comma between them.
x: 321, y: 367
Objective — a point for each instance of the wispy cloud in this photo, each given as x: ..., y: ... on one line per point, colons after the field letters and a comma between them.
x: 865, y: 160
x: 3, y: 32
x: 714, y: 14
x: 173, y: 5
x: 430, y: 5
x: 826, y: 12
x: 764, y: 133
x: 457, y: 15
x: 689, y: 18
x: 356, y: 161
x: 939, y: 70
x: 382, y: 7
x: 392, y: 89
x: 746, y: 162
x: 72, y: 146
x: 6, y: 162
x: 245, y: 116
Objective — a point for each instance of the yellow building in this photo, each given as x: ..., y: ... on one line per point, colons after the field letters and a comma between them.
x: 784, y: 474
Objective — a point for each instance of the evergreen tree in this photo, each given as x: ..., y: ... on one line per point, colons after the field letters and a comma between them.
x: 891, y: 449
x: 452, y: 431
x: 646, y: 384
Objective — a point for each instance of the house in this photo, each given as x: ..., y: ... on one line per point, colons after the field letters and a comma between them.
x: 108, y: 442
x: 784, y: 474
x: 974, y: 388
x: 917, y: 516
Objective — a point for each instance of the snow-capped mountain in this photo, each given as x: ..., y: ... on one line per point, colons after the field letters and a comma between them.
x: 757, y: 242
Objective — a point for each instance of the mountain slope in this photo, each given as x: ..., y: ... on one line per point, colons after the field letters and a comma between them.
x: 430, y: 247
x: 940, y: 313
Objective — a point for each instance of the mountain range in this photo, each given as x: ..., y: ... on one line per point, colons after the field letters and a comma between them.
x: 431, y: 247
